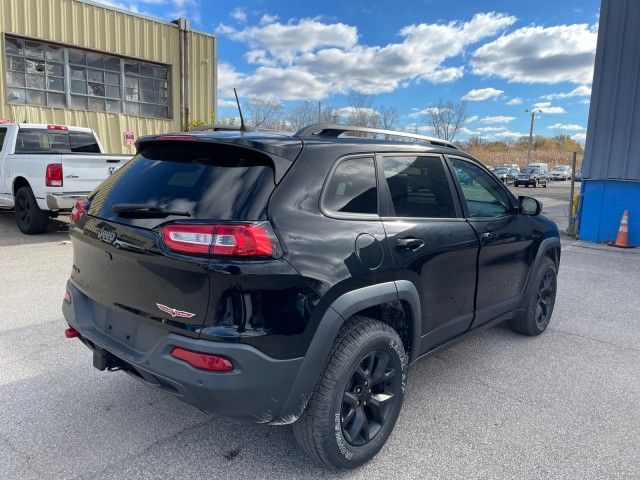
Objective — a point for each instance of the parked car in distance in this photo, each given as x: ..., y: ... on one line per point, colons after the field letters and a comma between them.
x: 513, y: 166
x: 533, y: 175
x: 578, y: 176
x: 44, y: 169
x: 506, y: 175
x: 560, y: 172
x: 294, y: 278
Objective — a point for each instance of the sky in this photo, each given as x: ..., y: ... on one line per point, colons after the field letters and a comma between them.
x: 501, y: 57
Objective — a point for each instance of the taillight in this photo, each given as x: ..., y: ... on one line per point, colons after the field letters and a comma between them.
x: 203, y: 361
x: 235, y: 240
x: 78, y: 209
x: 53, y: 176
x: 63, y: 128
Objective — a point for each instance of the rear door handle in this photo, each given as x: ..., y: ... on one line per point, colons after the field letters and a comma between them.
x: 410, y: 243
x: 488, y: 236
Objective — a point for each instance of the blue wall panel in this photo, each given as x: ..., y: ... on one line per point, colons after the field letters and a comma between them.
x: 603, y: 202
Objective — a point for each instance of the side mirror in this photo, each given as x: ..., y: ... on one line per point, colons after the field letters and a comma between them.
x: 529, y: 206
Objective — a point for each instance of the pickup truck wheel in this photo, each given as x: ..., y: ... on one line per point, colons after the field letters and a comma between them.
x: 358, y: 397
x: 539, y: 308
x: 29, y: 217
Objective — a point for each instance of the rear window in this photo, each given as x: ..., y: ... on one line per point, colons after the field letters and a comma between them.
x: 3, y: 133
x: 46, y: 141
x: 419, y: 187
x: 210, y: 182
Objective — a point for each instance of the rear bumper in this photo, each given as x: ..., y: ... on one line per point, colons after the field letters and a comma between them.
x: 66, y: 201
x: 255, y: 390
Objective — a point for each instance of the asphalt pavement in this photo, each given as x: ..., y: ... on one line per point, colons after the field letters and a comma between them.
x: 497, y: 406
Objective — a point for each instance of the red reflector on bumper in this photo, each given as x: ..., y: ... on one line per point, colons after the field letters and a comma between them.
x: 203, y: 361
x: 71, y: 333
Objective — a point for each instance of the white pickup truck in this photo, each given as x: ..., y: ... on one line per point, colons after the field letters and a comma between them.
x: 44, y: 169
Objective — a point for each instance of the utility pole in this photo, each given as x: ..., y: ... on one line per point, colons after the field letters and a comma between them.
x: 533, y: 114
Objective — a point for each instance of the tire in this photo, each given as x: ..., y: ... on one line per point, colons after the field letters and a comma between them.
x: 545, y: 184
x: 30, y: 219
x: 365, y: 352
x: 536, y: 317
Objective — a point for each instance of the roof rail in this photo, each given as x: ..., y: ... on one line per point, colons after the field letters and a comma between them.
x: 216, y: 127
x: 335, y: 130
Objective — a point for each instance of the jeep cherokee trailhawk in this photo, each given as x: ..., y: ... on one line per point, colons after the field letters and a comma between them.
x: 287, y: 278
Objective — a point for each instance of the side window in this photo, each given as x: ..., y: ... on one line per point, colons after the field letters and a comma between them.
x: 83, y: 142
x: 419, y: 187
x: 484, y: 196
x: 30, y: 141
x: 3, y: 133
x: 352, y: 187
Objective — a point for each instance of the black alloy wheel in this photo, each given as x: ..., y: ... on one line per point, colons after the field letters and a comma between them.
x: 545, y: 299
x: 368, y: 397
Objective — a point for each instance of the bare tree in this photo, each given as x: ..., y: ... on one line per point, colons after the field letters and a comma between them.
x: 264, y: 113
x: 361, y: 112
x: 446, y: 118
x: 303, y: 115
x: 388, y: 116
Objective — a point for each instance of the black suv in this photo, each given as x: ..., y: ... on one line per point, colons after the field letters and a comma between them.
x: 295, y: 278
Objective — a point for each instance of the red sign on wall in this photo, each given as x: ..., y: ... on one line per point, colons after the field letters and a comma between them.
x: 129, y: 138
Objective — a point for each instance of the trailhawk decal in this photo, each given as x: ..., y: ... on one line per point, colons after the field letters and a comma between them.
x: 175, y: 313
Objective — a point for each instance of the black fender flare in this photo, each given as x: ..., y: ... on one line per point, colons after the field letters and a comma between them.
x: 545, y: 246
x: 336, y: 314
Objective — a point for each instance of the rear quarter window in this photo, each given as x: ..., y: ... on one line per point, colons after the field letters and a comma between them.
x: 352, y: 188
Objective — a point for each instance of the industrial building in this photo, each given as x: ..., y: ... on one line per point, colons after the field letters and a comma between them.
x: 611, y: 166
x: 76, y: 62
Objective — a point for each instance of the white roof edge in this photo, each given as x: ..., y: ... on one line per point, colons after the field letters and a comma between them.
x: 43, y: 126
x: 140, y: 15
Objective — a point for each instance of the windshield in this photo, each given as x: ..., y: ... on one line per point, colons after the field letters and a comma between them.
x: 531, y: 170
x: 501, y: 170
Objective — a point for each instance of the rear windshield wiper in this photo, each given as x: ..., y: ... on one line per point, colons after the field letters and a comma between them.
x: 145, y: 211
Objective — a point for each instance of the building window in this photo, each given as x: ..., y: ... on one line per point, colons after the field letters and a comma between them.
x: 39, y: 73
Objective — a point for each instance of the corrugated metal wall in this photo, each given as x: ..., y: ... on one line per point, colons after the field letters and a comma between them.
x: 86, y: 25
x: 612, y: 149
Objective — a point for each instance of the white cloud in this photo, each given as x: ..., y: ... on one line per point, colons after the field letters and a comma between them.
x: 563, y: 53
x: 224, y: 102
x: 426, y: 111
x: 239, y: 14
x: 329, y: 56
x: 497, y: 119
x: 546, y: 107
x: 579, y: 137
x: 566, y: 126
x: 515, y: 101
x: 585, y: 101
x: 347, y: 111
x: 491, y: 129
x: 267, y: 19
x: 479, y: 94
x: 472, y: 118
x: 581, y: 91
x: 284, y: 41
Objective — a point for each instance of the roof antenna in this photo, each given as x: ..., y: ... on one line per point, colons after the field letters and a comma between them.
x: 242, y: 125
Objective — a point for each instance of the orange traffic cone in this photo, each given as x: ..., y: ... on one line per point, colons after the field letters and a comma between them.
x: 622, y: 240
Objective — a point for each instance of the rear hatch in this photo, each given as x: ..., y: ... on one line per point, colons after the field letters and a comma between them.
x: 177, y: 189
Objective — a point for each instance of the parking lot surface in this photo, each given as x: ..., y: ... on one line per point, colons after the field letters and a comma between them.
x: 562, y: 405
